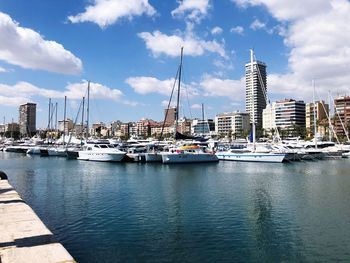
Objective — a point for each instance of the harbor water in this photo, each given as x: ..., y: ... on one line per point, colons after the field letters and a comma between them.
x: 218, y: 212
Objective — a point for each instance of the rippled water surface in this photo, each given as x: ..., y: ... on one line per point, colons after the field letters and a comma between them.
x: 223, y: 212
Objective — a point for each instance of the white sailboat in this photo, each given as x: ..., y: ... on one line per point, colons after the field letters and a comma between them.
x: 186, y: 154
x: 251, y: 155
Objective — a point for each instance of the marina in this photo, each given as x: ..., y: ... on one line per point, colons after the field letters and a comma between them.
x: 144, y: 131
x: 222, y: 211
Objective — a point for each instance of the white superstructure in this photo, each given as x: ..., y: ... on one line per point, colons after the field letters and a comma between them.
x: 100, y: 152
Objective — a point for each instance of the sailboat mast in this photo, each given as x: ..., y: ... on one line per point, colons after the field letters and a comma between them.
x: 252, y: 95
x: 88, y: 110
x: 329, y: 117
x: 202, y: 118
x: 64, y: 119
x: 313, y: 97
x: 178, y: 93
x: 56, y: 128
x: 48, y: 122
x: 82, y: 119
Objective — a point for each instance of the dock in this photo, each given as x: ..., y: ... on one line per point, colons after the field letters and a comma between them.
x: 23, y: 236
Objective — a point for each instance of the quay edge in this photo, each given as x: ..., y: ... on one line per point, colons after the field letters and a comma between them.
x: 24, y: 237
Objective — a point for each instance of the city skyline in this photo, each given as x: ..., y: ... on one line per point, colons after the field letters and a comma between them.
x: 130, y: 54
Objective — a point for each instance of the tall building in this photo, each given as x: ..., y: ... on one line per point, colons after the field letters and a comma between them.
x: 235, y: 122
x: 255, y: 100
x: 290, y: 114
x: 322, y: 111
x: 342, y: 112
x: 170, y: 115
x: 27, y: 119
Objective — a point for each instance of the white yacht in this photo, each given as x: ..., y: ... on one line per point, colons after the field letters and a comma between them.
x: 189, y: 154
x: 100, y: 152
x: 249, y: 156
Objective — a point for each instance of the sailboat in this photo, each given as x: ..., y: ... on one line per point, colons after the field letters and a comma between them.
x: 251, y: 155
x: 190, y: 152
x: 60, y: 150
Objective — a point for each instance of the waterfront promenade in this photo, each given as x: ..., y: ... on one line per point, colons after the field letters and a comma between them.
x: 23, y: 236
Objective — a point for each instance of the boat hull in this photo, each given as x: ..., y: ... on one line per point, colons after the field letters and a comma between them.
x: 251, y: 157
x: 33, y: 150
x: 153, y: 157
x: 169, y: 158
x: 100, y: 157
x: 57, y: 152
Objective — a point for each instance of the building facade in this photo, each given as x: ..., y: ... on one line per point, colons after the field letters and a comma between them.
x: 156, y: 130
x: 170, y: 115
x: 27, y: 119
x: 269, y: 117
x: 290, y: 115
x: 65, y: 127
x: 202, y: 126
x: 232, y: 122
x: 342, y: 115
x: 322, y: 111
x: 256, y: 91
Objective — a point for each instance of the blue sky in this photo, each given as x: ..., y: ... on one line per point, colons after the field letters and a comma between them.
x: 129, y: 50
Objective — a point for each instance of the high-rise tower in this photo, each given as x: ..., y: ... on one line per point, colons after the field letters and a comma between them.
x: 27, y: 119
x: 255, y: 99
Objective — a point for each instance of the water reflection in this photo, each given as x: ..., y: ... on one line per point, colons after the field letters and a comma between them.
x: 225, y: 212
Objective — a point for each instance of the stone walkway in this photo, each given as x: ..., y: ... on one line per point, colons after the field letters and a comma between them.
x: 23, y: 236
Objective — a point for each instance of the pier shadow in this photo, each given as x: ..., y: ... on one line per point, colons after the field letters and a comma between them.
x: 31, y: 241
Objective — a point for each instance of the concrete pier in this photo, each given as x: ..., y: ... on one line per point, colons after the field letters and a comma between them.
x: 23, y: 236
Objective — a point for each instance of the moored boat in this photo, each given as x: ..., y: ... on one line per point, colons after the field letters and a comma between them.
x: 247, y: 156
x: 100, y: 152
x: 189, y: 154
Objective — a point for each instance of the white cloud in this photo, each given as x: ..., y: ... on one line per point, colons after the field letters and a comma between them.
x: 257, y: 24
x: 148, y: 85
x: 108, y: 12
x: 165, y: 103
x: 215, y: 87
x: 2, y: 70
x: 196, y: 106
x: 26, y: 48
x: 97, y: 91
x: 290, y: 9
x: 216, y: 31
x: 237, y: 29
x: 194, y: 10
x: 27, y: 90
x: 317, y: 33
x: 73, y: 91
x: 170, y: 45
x: 12, y: 101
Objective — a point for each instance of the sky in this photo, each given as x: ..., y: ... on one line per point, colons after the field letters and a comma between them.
x: 129, y: 50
